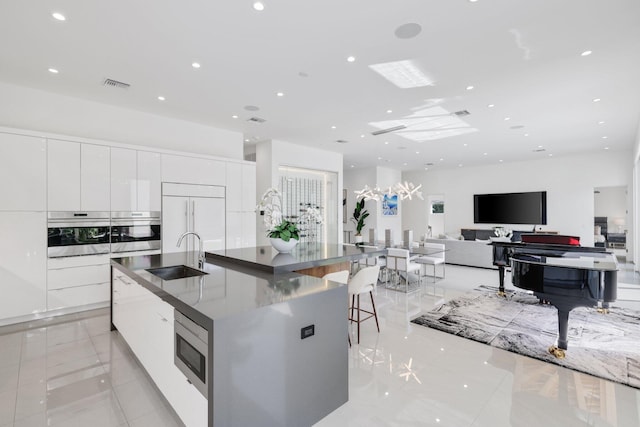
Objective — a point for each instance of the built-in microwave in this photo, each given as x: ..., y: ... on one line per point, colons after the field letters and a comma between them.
x: 191, y: 351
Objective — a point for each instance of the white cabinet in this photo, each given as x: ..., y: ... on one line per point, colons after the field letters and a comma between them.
x: 149, y: 181
x: 146, y: 324
x: 124, y: 172
x: 135, y: 180
x: 249, y: 199
x: 198, y: 208
x: 192, y: 170
x: 23, y: 261
x: 76, y: 282
x: 77, y: 176
x: 23, y: 165
x: 94, y: 178
x: 241, y: 202
x: 63, y: 175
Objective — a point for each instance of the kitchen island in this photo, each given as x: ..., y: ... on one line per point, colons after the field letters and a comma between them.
x: 276, y: 342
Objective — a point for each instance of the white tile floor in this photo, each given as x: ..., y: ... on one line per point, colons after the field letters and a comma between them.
x: 77, y: 373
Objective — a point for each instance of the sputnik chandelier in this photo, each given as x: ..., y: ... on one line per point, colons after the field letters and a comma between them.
x: 404, y: 190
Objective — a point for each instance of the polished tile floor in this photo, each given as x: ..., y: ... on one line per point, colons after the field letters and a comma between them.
x: 75, y: 372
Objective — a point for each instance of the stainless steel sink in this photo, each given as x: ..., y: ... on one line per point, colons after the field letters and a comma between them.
x: 175, y: 272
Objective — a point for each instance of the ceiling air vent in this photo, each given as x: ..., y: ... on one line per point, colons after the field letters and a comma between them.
x: 256, y: 120
x: 462, y: 113
x: 342, y: 141
x: 539, y: 150
x: 115, y: 83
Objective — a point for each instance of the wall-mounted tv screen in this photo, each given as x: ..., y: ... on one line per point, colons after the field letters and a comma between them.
x: 510, y: 208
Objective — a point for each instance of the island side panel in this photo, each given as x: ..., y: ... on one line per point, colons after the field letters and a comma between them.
x: 266, y: 374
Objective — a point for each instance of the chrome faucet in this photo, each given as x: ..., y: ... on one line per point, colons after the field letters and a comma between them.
x: 200, y: 251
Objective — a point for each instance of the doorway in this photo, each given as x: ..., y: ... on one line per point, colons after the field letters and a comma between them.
x: 610, y: 211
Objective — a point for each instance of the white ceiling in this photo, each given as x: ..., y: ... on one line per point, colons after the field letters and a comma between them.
x: 523, y: 56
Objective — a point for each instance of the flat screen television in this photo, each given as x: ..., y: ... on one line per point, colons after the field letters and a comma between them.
x: 510, y: 208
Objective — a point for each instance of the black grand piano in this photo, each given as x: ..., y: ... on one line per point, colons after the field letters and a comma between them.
x: 564, y: 274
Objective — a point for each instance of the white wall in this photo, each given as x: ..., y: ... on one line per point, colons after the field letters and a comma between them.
x: 270, y: 155
x: 32, y: 109
x: 568, y: 181
x: 386, y: 178
x: 356, y: 180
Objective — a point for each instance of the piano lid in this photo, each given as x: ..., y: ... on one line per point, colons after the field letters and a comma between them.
x: 585, y: 261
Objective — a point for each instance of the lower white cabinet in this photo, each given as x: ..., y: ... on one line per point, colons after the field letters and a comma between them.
x: 146, y: 324
x: 75, y: 282
x: 23, y: 264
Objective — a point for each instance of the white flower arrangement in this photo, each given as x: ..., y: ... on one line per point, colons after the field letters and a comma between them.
x: 279, y: 227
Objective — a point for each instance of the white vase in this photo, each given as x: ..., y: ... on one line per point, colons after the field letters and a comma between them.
x: 357, y: 238
x: 282, y: 246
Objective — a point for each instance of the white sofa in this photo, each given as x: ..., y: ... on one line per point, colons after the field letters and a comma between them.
x: 467, y: 252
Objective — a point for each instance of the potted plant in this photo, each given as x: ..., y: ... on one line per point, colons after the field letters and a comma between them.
x: 284, y: 234
x: 359, y: 215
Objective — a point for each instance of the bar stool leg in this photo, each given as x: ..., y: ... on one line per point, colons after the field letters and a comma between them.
x: 358, y: 318
x: 375, y: 313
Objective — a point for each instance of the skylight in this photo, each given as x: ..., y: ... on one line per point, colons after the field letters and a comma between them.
x: 404, y: 74
x: 428, y: 124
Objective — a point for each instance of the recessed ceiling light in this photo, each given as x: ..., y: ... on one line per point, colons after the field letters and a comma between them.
x: 389, y: 111
x: 59, y: 16
x: 379, y: 158
x: 386, y: 143
x: 472, y: 1
x: 539, y: 146
x: 605, y: 137
x: 586, y: 53
x: 417, y: 152
x: 500, y: 160
x: 53, y: 71
x: 234, y: 117
x: 353, y: 166
x: 195, y: 65
x: 441, y: 159
x: 333, y: 127
x: 246, y: 140
x: 280, y: 94
x: 601, y: 122
x: 469, y: 87
x: 596, y: 99
x: 484, y: 154
x: 259, y: 6
x: 465, y: 144
x: 161, y: 98
x: 550, y: 155
x: 526, y: 134
x: 362, y: 136
x: 491, y: 105
x: 404, y: 164
x: 507, y: 119
x: 351, y: 58
x: 606, y: 148
x: 460, y: 165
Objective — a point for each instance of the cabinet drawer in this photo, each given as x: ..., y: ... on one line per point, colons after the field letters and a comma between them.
x: 77, y: 276
x: 78, y: 296
x: 77, y: 261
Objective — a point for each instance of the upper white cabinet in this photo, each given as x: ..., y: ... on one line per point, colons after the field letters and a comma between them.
x: 22, y: 173
x: 234, y: 187
x: 241, y: 202
x: 191, y: 170
x: 78, y: 176
x: 135, y: 180
x: 149, y: 181
x: 94, y: 178
x: 63, y: 171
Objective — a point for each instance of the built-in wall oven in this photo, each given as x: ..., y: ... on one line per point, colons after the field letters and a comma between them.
x: 191, y: 351
x: 135, y: 231
x: 77, y: 233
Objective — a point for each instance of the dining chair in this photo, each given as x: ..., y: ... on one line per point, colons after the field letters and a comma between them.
x: 399, y: 261
x: 435, y: 259
x: 362, y: 282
